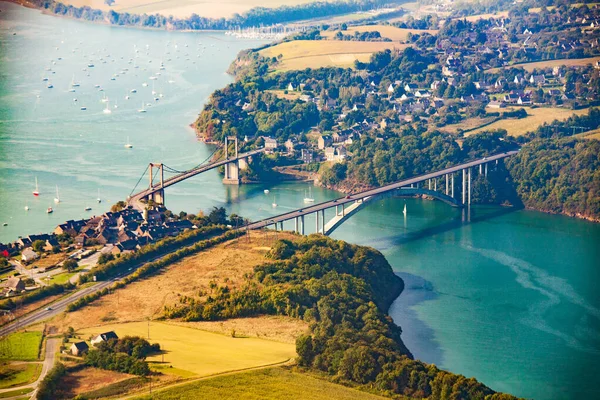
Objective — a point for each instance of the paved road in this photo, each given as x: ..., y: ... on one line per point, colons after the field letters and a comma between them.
x: 373, y: 192
x: 50, y: 355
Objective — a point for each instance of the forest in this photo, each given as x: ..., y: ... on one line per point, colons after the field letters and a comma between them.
x: 343, y: 291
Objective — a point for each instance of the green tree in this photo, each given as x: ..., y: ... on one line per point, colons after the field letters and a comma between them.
x: 70, y: 265
x: 38, y: 245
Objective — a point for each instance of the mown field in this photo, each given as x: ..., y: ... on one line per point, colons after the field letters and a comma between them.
x: 595, y: 134
x: 535, y: 118
x: 22, y: 346
x: 475, y: 18
x: 185, y: 8
x: 575, y: 62
x: 17, y: 374
x: 386, y: 31
x: 203, y: 353
x: 301, y: 54
x: 267, y: 384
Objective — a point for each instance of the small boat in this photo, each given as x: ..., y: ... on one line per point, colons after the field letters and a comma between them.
x: 57, y: 198
x: 404, y: 211
x: 99, y: 199
x: 36, y: 192
x: 90, y: 65
x: 49, y: 210
x: 88, y: 208
x: 126, y: 97
x: 144, y: 84
x: 104, y: 98
x: 106, y: 109
x: 127, y: 145
x: 44, y: 79
x: 96, y: 86
x: 142, y: 110
x: 133, y: 91
x: 50, y: 86
x: 83, y: 108
x: 274, y: 204
x: 309, y: 199
x: 266, y: 191
x: 26, y: 207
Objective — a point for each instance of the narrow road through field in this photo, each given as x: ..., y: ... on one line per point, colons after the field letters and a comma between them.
x: 51, y: 346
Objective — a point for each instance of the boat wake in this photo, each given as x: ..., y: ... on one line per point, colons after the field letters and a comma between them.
x: 554, y: 290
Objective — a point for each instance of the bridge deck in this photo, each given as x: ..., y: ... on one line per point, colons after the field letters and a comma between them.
x: 373, y: 192
x: 188, y: 174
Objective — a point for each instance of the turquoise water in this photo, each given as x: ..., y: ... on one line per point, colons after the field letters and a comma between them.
x: 506, y: 296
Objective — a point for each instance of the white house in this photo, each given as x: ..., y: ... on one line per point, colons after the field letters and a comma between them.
x: 29, y: 255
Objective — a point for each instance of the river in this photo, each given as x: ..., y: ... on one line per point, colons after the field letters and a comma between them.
x: 506, y: 296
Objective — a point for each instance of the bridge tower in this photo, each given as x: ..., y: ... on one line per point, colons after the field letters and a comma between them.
x: 158, y: 196
x: 232, y: 169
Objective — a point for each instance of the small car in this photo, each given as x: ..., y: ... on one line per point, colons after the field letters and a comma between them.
x: 48, y: 308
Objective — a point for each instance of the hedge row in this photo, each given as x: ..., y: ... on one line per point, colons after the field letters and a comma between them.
x: 152, y: 267
x: 38, y: 294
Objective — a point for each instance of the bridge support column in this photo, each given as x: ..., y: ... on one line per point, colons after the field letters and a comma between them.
x: 464, y: 188
x: 486, y: 170
x: 480, y: 169
x: 302, y: 223
x: 452, y: 188
x: 232, y: 173
x: 435, y: 184
x: 323, y: 221
x: 429, y: 184
x: 317, y: 220
x: 469, y: 197
x: 296, y: 224
x: 281, y: 225
x: 447, y: 185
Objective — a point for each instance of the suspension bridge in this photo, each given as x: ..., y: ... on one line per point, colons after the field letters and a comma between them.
x: 155, y: 191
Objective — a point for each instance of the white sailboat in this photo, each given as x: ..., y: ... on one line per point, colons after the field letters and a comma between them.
x: 26, y: 207
x: 142, y: 110
x: 266, y: 191
x: 57, y: 198
x: 127, y: 145
x: 107, y: 109
x: 309, y: 199
x: 274, y: 204
x: 404, y: 211
x: 98, y: 198
x: 36, y: 192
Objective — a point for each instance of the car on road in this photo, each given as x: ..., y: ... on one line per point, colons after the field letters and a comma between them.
x: 48, y: 308
x: 348, y: 197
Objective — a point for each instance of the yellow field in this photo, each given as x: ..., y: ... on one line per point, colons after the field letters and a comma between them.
x: 203, y: 353
x: 386, y: 31
x: 301, y: 54
x: 266, y: 384
x: 185, y: 8
x: 575, y: 62
x: 536, y: 117
x: 595, y: 134
x: 470, y: 123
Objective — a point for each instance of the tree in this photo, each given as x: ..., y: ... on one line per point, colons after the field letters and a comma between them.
x: 218, y: 215
x: 105, y: 257
x: 38, y: 245
x: 120, y: 205
x: 70, y: 265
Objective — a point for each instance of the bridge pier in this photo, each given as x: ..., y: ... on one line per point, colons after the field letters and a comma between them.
x: 452, y: 195
x: 469, y: 197
x: 302, y: 223
x: 464, y: 184
x: 317, y: 221
x: 446, y: 184
x: 486, y: 170
x: 232, y: 169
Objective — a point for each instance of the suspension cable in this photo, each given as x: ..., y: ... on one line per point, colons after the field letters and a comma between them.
x: 139, y: 180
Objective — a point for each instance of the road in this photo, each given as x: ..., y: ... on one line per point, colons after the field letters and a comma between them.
x: 51, y: 346
x: 373, y: 192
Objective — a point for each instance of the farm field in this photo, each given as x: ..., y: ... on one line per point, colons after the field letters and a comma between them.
x: 301, y: 54
x: 268, y: 384
x: 468, y: 124
x: 224, y: 264
x: 17, y: 374
x: 574, y: 62
x: 475, y: 18
x: 203, y: 353
x: 386, y: 31
x: 185, y: 8
x: 22, y: 346
x: 595, y: 134
x: 535, y: 118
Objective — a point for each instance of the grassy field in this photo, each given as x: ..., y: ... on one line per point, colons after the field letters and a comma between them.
x: 386, y: 31
x: 468, y: 124
x: 267, y: 384
x: 90, y: 379
x: 18, y: 374
x: 17, y: 394
x: 535, y: 118
x: 204, y: 353
x: 301, y: 54
x: 185, y: 8
x: 595, y: 134
x: 61, y: 278
x: 575, y: 62
x: 22, y: 346
x: 224, y: 264
x: 49, y: 260
x: 475, y: 18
